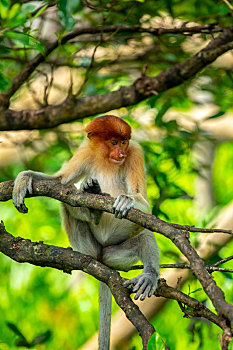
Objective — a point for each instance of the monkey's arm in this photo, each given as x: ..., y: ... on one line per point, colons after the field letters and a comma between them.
x: 68, y: 174
x: 89, y: 185
x: 23, y: 185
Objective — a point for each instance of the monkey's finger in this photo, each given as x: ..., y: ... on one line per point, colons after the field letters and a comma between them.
x: 95, y: 182
x: 117, y: 206
x: 116, y: 202
x: 140, y: 281
x: 129, y: 206
x: 118, y: 215
x: 130, y: 282
x: 122, y: 205
x: 153, y: 289
x: 22, y: 208
x: 127, y: 283
x: 146, y: 292
x: 95, y: 187
x: 90, y: 182
x: 83, y: 185
x: 19, y: 204
x: 141, y: 291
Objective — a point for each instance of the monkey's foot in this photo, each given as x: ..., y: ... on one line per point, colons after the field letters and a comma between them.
x: 122, y: 205
x: 144, y: 285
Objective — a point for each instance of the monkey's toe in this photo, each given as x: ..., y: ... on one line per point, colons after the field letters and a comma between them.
x: 144, y: 285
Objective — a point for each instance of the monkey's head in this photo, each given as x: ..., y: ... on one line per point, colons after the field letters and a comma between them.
x: 110, y: 135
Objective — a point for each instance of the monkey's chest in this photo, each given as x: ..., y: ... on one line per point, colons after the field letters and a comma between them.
x: 111, y: 230
x: 111, y: 184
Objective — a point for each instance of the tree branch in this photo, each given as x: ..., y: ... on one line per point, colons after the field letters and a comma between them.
x: 65, y: 259
x: 37, y: 60
x: 69, y: 195
x: 199, y: 309
x: 74, y: 108
x: 209, y: 268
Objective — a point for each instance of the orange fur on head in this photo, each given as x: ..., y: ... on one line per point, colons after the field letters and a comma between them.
x: 107, y: 127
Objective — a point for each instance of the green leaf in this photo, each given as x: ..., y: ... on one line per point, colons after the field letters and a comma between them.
x: 161, y: 112
x: 42, y: 338
x: 16, y: 17
x: 4, y: 5
x: 66, y: 8
x: 24, y: 40
x: 40, y: 12
x: 14, y: 11
x: 15, y: 329
x: 3, y: 50
x: 169, y: 7
x: 217, y: 115
x: 3, y: 82
x: 19, y: 37
x: 196, y: 290
x: 152, y: 101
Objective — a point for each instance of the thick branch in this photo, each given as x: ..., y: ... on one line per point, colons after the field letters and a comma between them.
x: 69, y: 195
x: 73, y: 197
x: 65, y: 259
x: 74, y: 108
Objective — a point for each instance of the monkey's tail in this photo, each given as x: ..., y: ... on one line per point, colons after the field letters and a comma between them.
x: 105, y: 300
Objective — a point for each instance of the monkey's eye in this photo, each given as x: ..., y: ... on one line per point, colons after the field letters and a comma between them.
x: 114, y: 142
x: 124, y: 142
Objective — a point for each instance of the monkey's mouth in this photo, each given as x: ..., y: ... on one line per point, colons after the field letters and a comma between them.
x: 116, y: 161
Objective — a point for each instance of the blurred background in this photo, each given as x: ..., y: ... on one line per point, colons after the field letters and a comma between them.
x: 186, y: 134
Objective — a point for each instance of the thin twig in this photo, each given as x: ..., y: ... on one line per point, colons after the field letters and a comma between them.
x: 228, y: 4
x: 20, y: 78
x: 209, y: 268
x: 220, y: 262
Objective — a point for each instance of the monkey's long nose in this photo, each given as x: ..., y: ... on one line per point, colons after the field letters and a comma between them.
x: 121, y: 155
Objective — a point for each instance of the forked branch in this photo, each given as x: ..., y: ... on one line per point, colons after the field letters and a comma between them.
x: 69, y: 195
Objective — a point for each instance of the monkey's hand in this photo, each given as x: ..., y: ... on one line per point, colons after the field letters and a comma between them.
x: 144, y: 284
x: 90, y: 185
x: 22, y: 186
x: 122, y: 205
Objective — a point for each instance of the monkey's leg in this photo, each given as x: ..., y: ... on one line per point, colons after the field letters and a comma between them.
x: 79, y: 232
x: 126, y: 254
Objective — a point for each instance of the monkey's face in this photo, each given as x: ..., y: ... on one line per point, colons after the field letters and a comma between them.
x: 117, y: 150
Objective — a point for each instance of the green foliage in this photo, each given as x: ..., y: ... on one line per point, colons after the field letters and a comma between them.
x: 22, y: 341
x: 66, y: 8
x: 44, y: 306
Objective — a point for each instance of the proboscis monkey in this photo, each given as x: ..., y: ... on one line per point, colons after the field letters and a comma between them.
x: 106, y: 162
